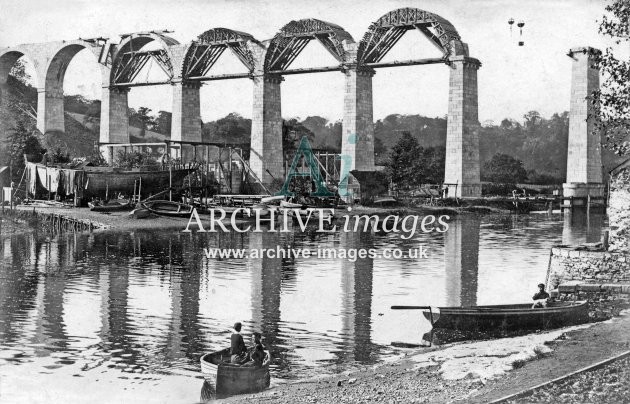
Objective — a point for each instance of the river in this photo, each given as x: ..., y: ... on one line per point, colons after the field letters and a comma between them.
x: 107, y: 315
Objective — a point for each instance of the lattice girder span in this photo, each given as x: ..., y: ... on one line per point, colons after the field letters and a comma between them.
x: 206, y: 50
x: 289, y: 42
x: 383, y: 34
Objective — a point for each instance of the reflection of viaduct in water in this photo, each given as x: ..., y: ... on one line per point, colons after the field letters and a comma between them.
x: 186, y: 66
x: 19, y: 285
x: 581, y: 226
x: 461, y: 259
x: 36, y: 272
x: 266, y: 281
x: 114, y: 291
x: 356, y: 295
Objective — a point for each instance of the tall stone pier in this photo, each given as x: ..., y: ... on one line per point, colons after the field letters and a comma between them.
x: 584, y: 159
x: 266, y: 159
x: 186, y: 121
x: 50, y: 112
x: 114, y: 119
x: 462, y: 177
x: 357, y: 143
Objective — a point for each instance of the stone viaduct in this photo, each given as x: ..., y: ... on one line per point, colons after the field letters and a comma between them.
x: 188, y: 65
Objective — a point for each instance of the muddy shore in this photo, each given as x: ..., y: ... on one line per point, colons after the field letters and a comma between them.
x: 427, y: 377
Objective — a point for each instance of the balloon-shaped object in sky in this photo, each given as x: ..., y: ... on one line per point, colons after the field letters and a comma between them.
x: 521, y: 24
x: 511, y: 22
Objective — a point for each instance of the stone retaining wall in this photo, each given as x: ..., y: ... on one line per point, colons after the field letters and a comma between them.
x: 568, y: 264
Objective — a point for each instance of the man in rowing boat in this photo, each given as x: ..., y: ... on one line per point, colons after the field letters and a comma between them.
x: 238, y: 350
x: 541, y: 298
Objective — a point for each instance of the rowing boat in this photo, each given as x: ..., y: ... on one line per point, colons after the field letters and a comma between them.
x: 229, y: 378
x: 111, y: 206
x: 508, y: 317
x: 168, y: 208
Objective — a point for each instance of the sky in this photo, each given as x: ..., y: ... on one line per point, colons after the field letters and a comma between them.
x: 512, y: 80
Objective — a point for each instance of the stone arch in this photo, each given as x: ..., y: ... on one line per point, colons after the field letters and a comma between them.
x: 127, y: 61
x: 384, y: 33
x: 52, y: 98
x: 58, y: 64
x: 203, y: 52
x: 287, y: 44
x: 8, y: 58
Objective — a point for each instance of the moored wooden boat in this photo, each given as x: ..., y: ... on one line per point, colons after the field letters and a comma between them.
x: 140, y: 213
x: 509, y: 317
x: 271, y: 200
x: 261, y: 209
x: 114, y: 206
x: 101, y: 179
x: 168, y: 208
x: 386, y: 200
x: 291, y: 205
x: 229, y: 378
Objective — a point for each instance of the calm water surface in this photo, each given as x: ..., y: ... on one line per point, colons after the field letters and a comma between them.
x: 120, y: 316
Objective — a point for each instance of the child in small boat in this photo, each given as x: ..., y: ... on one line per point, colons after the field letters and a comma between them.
x: 257, y: 352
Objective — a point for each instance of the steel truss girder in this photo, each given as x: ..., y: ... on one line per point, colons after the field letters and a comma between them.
x: 131, y: 63
x: 293, y: 38
x: 384, y: 33
x: 209, y: 46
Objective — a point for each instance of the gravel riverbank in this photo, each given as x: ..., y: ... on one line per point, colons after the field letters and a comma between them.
x: 470, y: 372
x: 608, y: 384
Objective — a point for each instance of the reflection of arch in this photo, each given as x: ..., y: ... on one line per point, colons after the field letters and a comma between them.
x: 129, y: 60
x: 385, y: 33
x: 203, y: 53
x: 293, y: 37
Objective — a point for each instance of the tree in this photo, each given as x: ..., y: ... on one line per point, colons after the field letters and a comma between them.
x: 433, y: 162
x: 612, y: 100
x: 402, y: 166
x: 142, y: 119
x: 21, y: 141
x: 292, y: 132
x: 21, y: 101
x: 19, y: 72
x: 504, y: 169
x: 163, y: 122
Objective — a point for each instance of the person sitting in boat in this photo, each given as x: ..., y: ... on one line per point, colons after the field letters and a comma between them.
x: 257, y: 352
x: 238, y: 350
x: 541, y: 298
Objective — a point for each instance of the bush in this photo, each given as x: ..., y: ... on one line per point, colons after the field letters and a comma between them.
x: 503, y: 168
x: 492, y: 189
x: 135, y: 159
